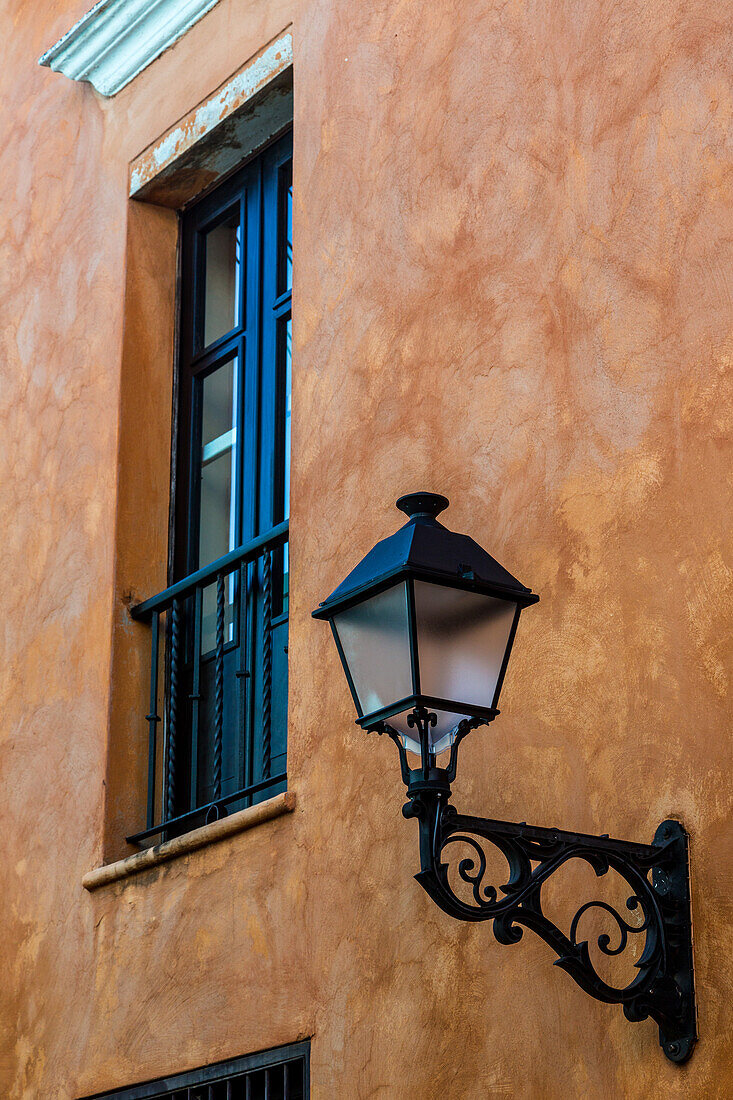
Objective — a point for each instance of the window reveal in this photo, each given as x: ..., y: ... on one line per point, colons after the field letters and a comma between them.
x: 224, y: 620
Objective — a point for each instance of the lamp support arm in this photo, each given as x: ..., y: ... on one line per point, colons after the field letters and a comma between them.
x: 657, y: 875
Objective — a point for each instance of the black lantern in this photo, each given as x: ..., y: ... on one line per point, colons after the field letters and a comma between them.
x: 424, y: 626
x: 426, y: 620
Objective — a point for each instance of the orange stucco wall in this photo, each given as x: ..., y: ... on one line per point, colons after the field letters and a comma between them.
x: 512, y: 285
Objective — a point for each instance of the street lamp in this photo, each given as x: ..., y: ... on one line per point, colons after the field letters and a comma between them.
x: 426, y: 622
x: 424, y: 627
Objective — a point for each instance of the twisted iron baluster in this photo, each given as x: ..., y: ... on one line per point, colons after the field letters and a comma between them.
x: 195, y: 696
x: 219, y: 687
x: 172, y: 713
x: 266, y: 662
x: 152, y: 718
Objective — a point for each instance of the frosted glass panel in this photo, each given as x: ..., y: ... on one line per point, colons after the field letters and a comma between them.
x: 223, y: 263
x: 375, y: 639
x: 462, y: 638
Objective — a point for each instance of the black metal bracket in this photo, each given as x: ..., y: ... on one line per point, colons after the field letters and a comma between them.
x: 657, y: 874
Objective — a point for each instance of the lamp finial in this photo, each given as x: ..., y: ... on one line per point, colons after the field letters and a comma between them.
x: 422, y: 504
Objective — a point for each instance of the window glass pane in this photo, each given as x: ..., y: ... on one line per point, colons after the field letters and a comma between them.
x: 218, y: 490
x: 285, y: 229
x: 217, y: 501
x: 217, y: 507
x: 287, y: 403
x: 222, y: 279
x: 284, y: 406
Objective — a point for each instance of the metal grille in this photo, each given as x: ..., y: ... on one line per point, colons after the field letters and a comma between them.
x: 281, y: 1074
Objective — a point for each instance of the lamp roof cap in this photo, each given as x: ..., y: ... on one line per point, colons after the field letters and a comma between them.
x: 423, y: 548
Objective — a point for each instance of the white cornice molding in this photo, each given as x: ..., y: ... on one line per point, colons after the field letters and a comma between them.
x: 117, y: 39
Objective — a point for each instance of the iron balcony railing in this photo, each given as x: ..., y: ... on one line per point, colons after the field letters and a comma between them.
x: 182, y: 606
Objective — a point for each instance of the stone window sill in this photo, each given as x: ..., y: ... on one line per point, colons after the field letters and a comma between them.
x: 190, y: 842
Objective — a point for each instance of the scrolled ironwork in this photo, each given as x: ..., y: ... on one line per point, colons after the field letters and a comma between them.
x: 472, y: 872
x: 624, y: 928
x: 656, y: 874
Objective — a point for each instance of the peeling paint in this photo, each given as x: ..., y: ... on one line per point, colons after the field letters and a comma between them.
x: 208, y: 116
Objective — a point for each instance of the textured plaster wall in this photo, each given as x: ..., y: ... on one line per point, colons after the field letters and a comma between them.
x: 512, y: 285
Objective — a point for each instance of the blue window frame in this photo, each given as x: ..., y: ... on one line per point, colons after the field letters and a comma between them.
x: 220, y: 743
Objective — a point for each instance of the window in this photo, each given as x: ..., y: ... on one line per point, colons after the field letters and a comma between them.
x: 281, y: 1074
x: 224, y: 620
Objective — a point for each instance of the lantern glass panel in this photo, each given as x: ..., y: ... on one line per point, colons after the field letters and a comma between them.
x: 462, y: 639
x: 375, y: 638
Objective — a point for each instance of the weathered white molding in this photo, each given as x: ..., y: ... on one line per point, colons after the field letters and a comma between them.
x: 117, y: 39
x: 243, y: 114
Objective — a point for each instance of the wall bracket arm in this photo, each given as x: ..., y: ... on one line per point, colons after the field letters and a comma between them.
x: 658, y: 904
